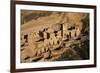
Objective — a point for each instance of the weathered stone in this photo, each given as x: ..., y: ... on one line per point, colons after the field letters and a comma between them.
x: 37, y: 58
x: 40, y: 44
x: 28, y: 52
x: 55, y: 40
x: 47, y: 55
x: 44, y: 35
x: 59, y: 34
x: 43, y: 50
x: 73, y: 32
x: 39, y: 52
x: 49, y: 36
x: 51, y: 42
x: 56, y: 27
x: 74, y: 17
x: 50, y: 30
x: 46, y: 42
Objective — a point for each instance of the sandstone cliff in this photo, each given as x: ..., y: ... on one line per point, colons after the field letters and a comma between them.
x: 54, y: 36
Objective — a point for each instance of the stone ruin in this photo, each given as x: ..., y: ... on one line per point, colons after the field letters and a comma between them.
x: 53, y: 38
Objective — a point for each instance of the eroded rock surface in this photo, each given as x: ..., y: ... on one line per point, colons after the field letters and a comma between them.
x: 54, y: 36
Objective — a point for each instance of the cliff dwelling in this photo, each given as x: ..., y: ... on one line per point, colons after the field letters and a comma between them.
x: 54, y: 36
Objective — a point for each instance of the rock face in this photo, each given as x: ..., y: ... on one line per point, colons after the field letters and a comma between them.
x: 54, y: 36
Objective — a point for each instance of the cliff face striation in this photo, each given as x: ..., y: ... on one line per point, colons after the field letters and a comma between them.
x: 54, y: 36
